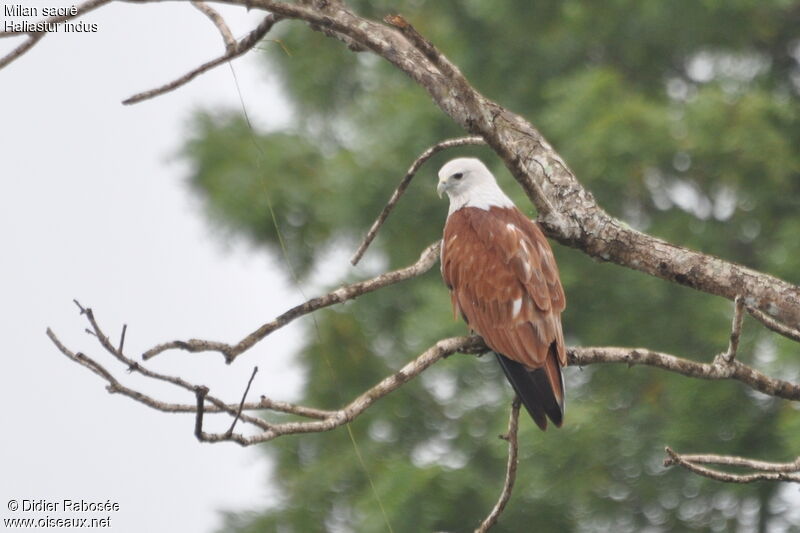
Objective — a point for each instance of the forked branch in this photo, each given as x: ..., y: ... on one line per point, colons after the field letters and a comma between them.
x: 758, y: 470
x: 320, y: 420
x: 426, y: 260
x: 324, y: 420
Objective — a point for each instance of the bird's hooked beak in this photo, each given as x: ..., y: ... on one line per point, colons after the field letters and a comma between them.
x: 441, y: 188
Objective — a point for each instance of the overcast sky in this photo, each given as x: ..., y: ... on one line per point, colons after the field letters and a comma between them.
x: 95, y: 206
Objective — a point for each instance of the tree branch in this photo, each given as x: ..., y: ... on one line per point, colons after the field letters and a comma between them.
x: 404, y: 183
x: 718, y: 370
x: 723, y: 367
x: 764, y: 471
x: 114, y: 386
x: 219, y: 22
x: 244, y: 397
x: 134, y: 366
x: 511, y: 469
x: 233, y: 50
x: 471, y: 344
x: 774, y: 325
x: 29, y: 43
x: 426, y: 260
x: 736, y: 330
x: 324, y: 420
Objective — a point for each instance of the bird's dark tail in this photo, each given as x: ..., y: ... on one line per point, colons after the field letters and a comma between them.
x: 541, y: 390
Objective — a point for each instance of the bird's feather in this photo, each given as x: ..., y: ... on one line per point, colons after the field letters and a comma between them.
x: 504, y: 281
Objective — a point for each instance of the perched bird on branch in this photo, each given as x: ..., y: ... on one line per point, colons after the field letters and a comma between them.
x: 504, y: 282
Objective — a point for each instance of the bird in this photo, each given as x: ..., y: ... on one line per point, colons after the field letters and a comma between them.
x: 503, y: 281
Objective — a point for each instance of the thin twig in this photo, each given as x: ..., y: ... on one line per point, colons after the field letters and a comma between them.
x: 122, y: 338
x: 114, y: 386
x: 736, y: 330
x: 404, y: 183
x: 511, y: 468
x: 772, y: 472
x: 426, y: 260
x: 219, y: 22
x: 26, y: 45
x: 200, y: 393
x: 134, y: 366
x: 241, y: 404
x: 239, y: 48
x: 80, y: 307
x: 774, y: 325
x: 733, y: 460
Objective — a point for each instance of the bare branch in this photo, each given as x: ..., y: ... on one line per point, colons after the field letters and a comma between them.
x: 219, y: 22
x: 441, y: 349
x: 732, y: 460
x: 134, y: 366
x: 324, y: 420
x: 114, y: 386
x: 290, y: 408
x: 736, y: 330
x: 122, y: 338
x: 29, y: 43
x: 426, y: 260
x: 201, y: 393
x: 764, y: 471
x: 511, y: 469
x: 717, y: 370
x: 774, y: 325
x: 471, y: 344
x: 404, y: 183
x: 721, y: 368
x: 244, y: 397
x: 234, y: 50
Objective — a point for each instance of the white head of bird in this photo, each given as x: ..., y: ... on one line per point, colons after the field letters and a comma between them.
x: 468, y: 183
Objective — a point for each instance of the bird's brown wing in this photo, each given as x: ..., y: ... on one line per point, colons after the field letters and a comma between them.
x: 504, y: 281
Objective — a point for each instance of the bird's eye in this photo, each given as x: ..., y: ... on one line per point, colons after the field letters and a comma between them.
x: 458, y: 175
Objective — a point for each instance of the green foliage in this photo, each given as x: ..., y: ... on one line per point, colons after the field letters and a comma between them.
x: 683, y: 118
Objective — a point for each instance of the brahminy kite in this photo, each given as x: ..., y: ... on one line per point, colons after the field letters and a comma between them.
x: 504, y: 282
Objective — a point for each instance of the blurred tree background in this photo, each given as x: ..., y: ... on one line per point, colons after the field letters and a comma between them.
x: 683, y: 118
